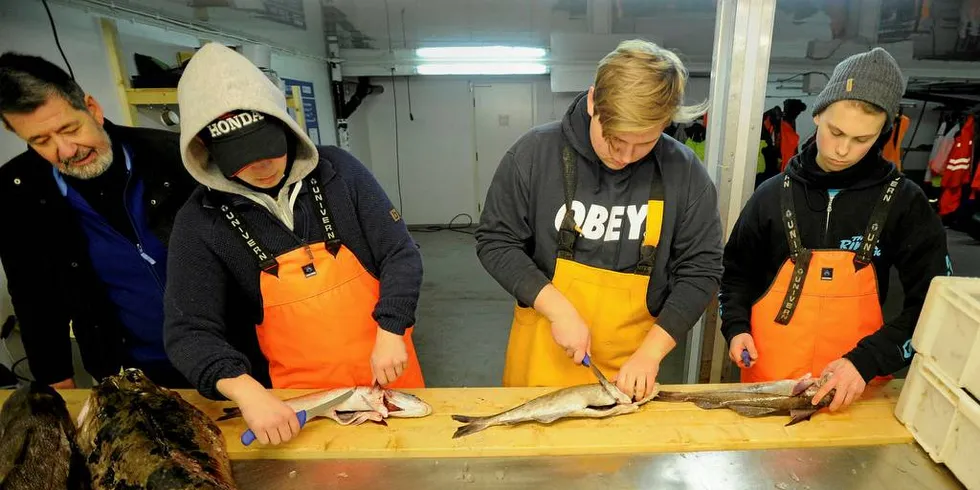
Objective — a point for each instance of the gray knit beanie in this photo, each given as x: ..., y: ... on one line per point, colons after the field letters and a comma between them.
x: 873, y: 77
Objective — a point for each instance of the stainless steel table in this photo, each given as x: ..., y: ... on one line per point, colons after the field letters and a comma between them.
x: 900, y: 466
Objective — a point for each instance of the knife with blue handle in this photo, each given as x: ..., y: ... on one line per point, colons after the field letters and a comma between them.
x: 746, y: 358
x: 248, y: 437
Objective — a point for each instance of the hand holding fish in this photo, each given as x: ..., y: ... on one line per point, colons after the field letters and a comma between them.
x: 846, y: 379
x: 269, y: 418
x: 389, y: 357
x: 742, y: 341
x: 638, y: 376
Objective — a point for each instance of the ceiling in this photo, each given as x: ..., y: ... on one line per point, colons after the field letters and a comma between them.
x: 684, y: 25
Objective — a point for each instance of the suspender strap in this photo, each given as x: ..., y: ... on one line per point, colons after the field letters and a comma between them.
x: 568, y: 232
x: 872, y: 235
x: 795, y: 290
x: 789, y: 218
x: 799, y: 255
x: 326, y: 218
x: 655, y: 220
x: 267, y: 263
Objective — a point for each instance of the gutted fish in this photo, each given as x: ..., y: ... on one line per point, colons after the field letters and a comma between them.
x: 596, y: 401
x: 373, y: 404
x: 785, y: 397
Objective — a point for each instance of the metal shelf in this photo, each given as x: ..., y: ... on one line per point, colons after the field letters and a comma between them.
x: 151, y: 96
x: 132, y: 98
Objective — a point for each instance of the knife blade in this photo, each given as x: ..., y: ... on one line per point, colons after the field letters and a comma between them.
x: 598, y: 374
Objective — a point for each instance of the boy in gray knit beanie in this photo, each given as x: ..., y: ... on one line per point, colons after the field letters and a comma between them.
x: 857, y: 106
x: 808, y: 263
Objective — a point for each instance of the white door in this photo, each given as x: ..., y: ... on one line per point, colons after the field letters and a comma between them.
x: 503, y: 112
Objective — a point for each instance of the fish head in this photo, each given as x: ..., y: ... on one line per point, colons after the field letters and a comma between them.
x: 813, y: 387
x: 130, y: 379
x: 407, y: 405
x: 653, y: 394
x: 825, y: 401
x: 804, y: 384
x: 617, y: 395
x: 29, y: 399
x: 38, y: 402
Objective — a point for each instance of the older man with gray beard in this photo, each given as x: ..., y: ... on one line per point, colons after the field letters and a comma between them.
x: 86, y: 214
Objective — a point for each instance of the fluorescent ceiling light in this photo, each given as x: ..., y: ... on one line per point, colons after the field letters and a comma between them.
x: 467, y: 53
x: 482, y: 69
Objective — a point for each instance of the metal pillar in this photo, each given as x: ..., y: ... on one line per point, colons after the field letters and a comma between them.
x: 337, y: 92
x: 739, y: 72
x: 600, y: 13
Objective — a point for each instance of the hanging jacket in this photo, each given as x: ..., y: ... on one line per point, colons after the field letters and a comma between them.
x: 958, y: 169
x: 892, y: 151
x: 960, y: 160
x: 789, y: 142
x: 939, y: 161
x: 976, y: 182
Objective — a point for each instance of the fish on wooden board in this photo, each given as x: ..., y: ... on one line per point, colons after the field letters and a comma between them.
x: 598, y: 400
x: 37, y: 442
x: 368, y: 403
x: 784, y: 397
x: 137, y: 435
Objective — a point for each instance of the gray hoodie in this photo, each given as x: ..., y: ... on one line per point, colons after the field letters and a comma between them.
x: 213, y: 300
x: 517, y: 236
x: 202, y: 99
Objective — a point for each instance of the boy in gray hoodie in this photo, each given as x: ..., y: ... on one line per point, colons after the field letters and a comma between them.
x: 290, y: 268
x: 604, y: 229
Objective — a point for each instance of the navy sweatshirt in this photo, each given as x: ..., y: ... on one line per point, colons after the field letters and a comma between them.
x: 517, y: 237
x: 213, y: 302
x: 913, y: 241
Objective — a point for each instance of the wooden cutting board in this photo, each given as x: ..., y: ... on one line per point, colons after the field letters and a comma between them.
x: 657, y: 427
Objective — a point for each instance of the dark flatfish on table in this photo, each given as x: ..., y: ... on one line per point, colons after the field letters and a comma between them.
x: 37, y: 442
x: 137, y: 435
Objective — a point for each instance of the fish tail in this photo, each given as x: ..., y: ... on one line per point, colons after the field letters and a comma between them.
x: 466, y: 419
x: 673, y: 396
x: 801, y: 415
x: 470, y: 428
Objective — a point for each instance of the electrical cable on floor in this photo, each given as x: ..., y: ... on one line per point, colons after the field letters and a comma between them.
x: 54, y: 30
x: 464, y: 229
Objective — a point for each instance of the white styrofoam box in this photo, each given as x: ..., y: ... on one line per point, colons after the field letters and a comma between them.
x: 943, y: 418
x: 961, y: 452
x: 927, y: 405
x: 949, y: 329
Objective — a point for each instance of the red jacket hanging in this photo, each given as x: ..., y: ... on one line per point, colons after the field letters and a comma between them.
x: 976, y: 182
x: 892, y: 151
x: 789, y: 142
x: 957, y: 172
